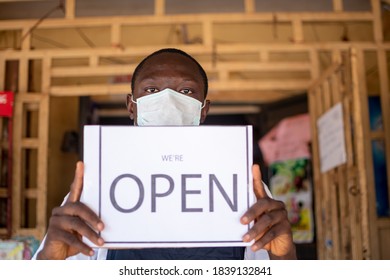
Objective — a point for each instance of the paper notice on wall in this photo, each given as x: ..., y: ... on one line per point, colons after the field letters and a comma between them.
x: 331, y: 138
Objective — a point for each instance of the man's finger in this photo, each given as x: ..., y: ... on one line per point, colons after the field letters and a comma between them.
x: 77, y: 185
x: 258, y: 186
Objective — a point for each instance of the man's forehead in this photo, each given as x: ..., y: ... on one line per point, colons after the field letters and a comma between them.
x: 168, y: 64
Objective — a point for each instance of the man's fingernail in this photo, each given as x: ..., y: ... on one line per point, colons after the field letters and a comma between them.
x: 255, y: 247
x: 245, y: 220
x: 100, y: 226
x: 246, y: 238
x: 100, y: 241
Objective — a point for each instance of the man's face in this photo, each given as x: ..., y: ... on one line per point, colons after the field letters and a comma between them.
x: 168, y: 70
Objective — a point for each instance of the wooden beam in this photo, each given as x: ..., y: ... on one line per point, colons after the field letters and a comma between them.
x: 87, y: 90
x: 264, y: 55
x: 43, y: 135
x: 248, y: 97
x: 116, y: 34
x: 360, y: 239
x: 383, y: 64
x: 23, y: 75
x: 70, y: 9
x: 46, y: 77
x: 377, y: 20
x: 26, y: 39
x: 190, y: 18
x: 30, y: 143
x: 159, y: 7
x: 103, y: 70
x: 17, y: 172
x: 250, y: 6
x: 297, y: 28
x: 93, y: 62
x: 288, y: 84
x: 192, y: 49
x: 207, y: 33
x: 338, y: 5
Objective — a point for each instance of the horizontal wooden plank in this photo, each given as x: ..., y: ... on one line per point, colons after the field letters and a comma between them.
x: 274, y: 85
x: 25, y: 97
x: 30, y: 193
x: 192, y: 49
x: 383, y: 223
x: 30, y: 143
x: 86, y: 71
x: 249, y: 96
x: 36, y: 232
x: 189, y: 19
x: 377, y: 135
x: 87, y: 90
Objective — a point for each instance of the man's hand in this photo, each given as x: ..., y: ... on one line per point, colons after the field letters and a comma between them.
x: 69, y: 223
x: 271, y: 230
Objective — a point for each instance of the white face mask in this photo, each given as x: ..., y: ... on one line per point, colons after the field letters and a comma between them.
x: 167, y: 107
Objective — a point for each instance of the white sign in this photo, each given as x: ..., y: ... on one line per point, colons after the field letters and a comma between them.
x: 331, y: 138
x: 169, y: 186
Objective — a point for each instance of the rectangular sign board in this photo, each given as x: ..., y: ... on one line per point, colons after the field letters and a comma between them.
x: 169, y: 186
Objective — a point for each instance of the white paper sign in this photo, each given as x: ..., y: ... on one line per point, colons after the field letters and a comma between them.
x: 331, y: 138
x: 169, y: 186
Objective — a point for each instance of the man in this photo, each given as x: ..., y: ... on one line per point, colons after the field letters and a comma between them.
x: 169, y: 87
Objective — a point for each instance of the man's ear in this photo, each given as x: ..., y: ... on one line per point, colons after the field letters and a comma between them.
x: 130, y: 106
x: 205, y: 111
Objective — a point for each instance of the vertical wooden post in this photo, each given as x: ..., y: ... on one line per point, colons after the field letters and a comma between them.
x: 17, y: 164
x: 70, y: 9
x: 315, y: 64
x: 321, y: 192
x: 364, y: 160
x: 159, y: 7
x: 297, y: 27
x: 93, y: 61
x: 317, y: 185
x: 250, y: 6
x: 316, y: 181
x: 385, y: 105
x: 264, y: 55
x: 338, y: 5
x: 26, y: 39
x: 115, y: 34
x: 208, y: 33
x: 377, y: 21
x: 346, y: 174
x: 23, y: 75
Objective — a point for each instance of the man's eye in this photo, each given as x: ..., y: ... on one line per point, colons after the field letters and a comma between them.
x: 186, y: 91
x: 151, y: 90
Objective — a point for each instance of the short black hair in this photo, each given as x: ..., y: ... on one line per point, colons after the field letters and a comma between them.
x: 175, y: 51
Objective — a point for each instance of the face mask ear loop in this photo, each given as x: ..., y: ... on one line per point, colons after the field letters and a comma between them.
x: 204, y: 104
x: 132, y: 99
